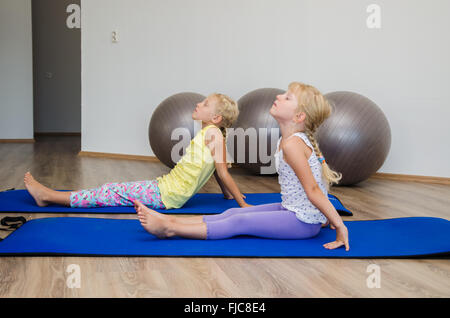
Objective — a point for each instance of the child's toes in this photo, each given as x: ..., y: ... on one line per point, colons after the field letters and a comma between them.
x: 143, y: 221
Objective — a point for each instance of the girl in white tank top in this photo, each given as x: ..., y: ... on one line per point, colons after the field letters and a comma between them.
x: 293, y: 196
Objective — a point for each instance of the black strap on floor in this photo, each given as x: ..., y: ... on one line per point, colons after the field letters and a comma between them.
x: 11, y: 223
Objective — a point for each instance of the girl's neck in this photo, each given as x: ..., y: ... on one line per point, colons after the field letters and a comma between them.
x: 204, y: 124
x: 288, y: 130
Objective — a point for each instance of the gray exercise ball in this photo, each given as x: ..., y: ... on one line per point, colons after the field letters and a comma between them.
x: 174, y: 112
x: 356, y: 138
x: 254, y: 115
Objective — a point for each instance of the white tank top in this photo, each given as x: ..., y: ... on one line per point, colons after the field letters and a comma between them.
x: 293, y: 196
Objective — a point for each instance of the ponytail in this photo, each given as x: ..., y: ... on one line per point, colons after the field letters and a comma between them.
x: 223, y: 130
x: 331, y: 177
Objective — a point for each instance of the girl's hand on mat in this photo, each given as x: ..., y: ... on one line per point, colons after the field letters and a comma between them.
x: 341, y: 239
x: 246, y: 205
x: 230, y: 197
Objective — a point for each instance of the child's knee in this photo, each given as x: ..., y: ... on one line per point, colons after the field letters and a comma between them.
x: 230, y: 211
x: 239, y: 220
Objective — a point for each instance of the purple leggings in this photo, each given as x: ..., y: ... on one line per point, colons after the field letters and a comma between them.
x: 266, y: 220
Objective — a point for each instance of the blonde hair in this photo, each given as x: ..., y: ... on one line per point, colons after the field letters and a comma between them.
x: 228, y: 109
x: 317, y: 108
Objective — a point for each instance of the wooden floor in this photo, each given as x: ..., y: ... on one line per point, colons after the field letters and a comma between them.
x: 54, y: 162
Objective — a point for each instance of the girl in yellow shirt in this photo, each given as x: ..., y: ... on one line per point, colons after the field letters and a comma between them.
x: 205, y: 156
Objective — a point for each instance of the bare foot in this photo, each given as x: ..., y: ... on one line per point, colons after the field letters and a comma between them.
x: 37, y: 190
x: 153, y: 222
x: 167, y: 218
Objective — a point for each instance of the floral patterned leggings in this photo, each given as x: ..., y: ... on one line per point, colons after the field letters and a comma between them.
x: 119, y: 194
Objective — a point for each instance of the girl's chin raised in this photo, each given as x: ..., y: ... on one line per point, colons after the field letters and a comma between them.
x: 273, y: 114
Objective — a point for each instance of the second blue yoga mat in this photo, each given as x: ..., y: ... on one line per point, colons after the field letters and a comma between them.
x: 391, y: 238
x: 201, y: 203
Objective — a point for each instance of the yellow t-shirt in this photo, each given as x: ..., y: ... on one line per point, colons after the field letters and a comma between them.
x: 189, y: 175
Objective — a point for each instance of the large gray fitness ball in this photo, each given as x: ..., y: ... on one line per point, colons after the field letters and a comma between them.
x: 174, y: 112
x: 254, y: 115
x: 356, y: 138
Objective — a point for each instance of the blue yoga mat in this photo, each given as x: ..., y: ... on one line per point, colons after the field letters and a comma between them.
x: 391, y: 238
x: 201, y: 203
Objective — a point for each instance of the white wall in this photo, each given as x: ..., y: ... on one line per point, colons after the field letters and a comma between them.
x: 404, y: 67
x: 16, y: 70
x: 236, y: 46
x: 173, y: 46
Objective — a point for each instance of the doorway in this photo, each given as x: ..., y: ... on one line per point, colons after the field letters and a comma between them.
x: 56, y: 69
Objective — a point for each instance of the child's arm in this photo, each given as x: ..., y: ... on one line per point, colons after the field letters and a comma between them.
x: 296, y: 156
x: 226, y: 193
x: 224, y: 175
x: 218, y: 151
